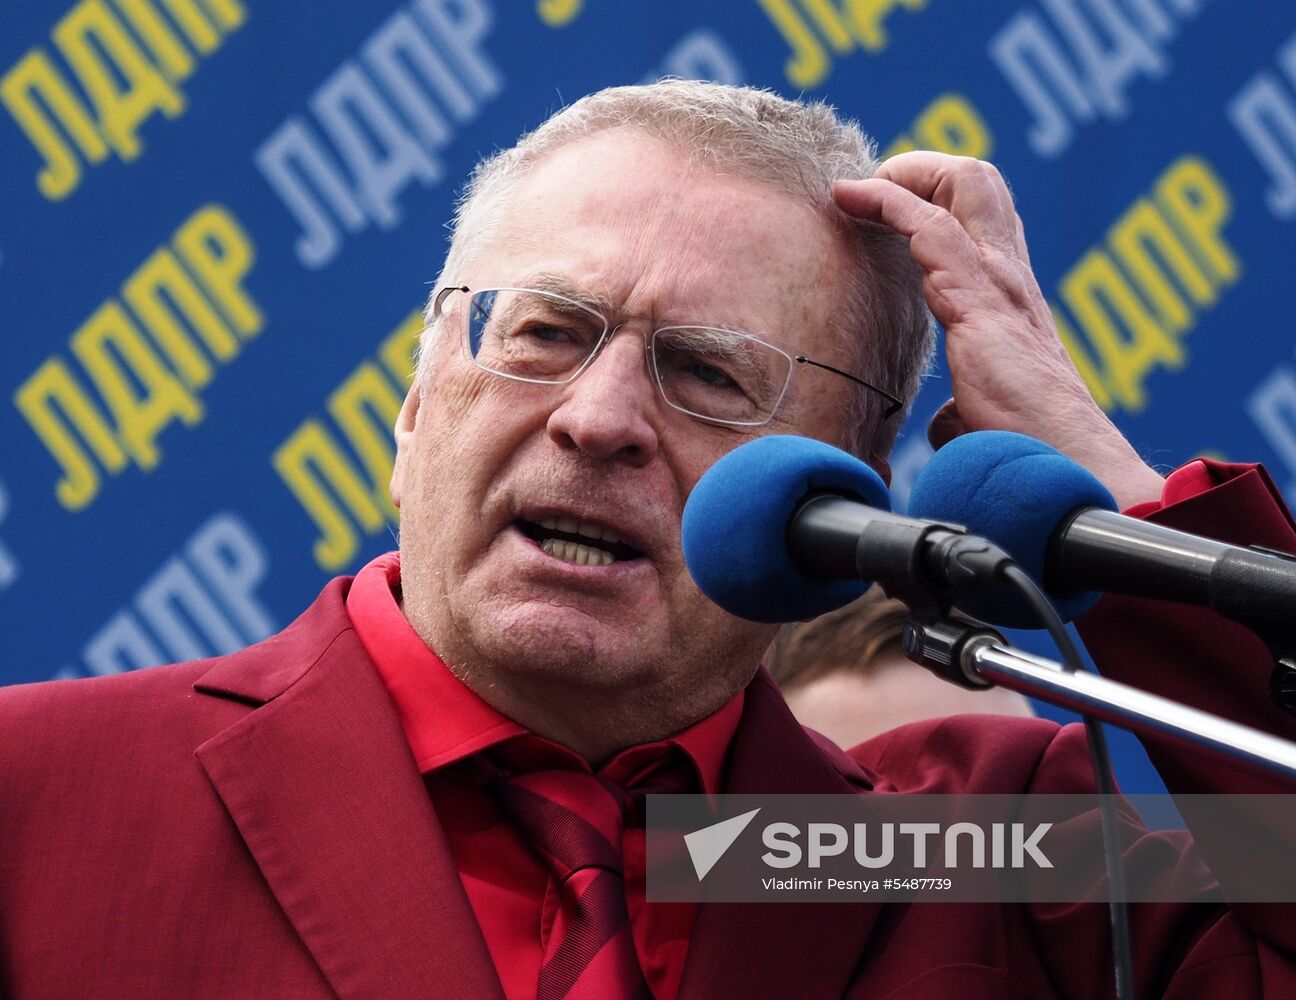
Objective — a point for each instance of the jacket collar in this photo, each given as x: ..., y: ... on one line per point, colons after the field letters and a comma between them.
x: 342, y: 827
x: 346, y: 837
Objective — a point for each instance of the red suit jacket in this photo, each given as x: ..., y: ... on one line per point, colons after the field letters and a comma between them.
x: 255, y: 826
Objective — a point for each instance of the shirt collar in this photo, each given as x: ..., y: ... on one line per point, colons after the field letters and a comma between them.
x: 445, y: 721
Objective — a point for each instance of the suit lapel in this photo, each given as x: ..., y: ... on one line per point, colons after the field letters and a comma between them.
x: 778, y: 949
x: 324, y: 791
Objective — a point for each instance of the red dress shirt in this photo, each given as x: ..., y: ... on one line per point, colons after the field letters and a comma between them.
x: 511, y: 890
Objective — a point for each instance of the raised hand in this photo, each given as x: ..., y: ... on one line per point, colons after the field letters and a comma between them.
x: 1008, y: 367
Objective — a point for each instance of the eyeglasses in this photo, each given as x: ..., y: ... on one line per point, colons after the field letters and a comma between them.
x: 714, y: 374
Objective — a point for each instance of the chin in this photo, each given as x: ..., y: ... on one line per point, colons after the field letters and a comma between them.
x: 565, y: 645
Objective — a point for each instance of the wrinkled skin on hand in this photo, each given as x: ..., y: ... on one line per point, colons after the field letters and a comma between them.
x: 1008, y: 368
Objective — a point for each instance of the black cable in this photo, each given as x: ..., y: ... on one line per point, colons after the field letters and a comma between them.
x: 1108, y: 818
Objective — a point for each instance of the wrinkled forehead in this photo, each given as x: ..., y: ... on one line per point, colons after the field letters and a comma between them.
x: 631, y: 225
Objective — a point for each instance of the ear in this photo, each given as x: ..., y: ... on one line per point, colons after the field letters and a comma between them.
x: 404, y: 434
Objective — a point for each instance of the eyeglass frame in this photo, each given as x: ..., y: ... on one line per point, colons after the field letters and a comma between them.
x: 894, y: 405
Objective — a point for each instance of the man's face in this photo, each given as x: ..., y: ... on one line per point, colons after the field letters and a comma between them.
x: 484, y: 463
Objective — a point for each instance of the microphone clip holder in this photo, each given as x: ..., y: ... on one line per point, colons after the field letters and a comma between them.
x: 923, y: 563
x: 942, y: 644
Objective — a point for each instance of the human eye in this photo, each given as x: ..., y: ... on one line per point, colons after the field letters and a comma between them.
x: 717, y: 374
x: 701, y: 360
x: 707, y: 373
x: 534, y: 335
x: 546, y: 332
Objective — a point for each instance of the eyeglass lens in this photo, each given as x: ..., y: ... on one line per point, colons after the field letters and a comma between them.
x: 711, y: 373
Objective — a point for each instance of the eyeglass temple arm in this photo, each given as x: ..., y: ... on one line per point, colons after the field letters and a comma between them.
x: 440, y: 297
x: 896, y: 404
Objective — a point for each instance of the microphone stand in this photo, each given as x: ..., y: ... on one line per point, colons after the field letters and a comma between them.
x: 975, y: 656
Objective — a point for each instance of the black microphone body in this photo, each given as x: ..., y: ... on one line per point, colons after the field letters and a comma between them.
x: 835, y: 537
x: 1097, y: 549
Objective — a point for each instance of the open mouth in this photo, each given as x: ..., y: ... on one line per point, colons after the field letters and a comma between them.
x: 583, y: 543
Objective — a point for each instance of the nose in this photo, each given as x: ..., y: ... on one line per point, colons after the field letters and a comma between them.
x: 611, y: 411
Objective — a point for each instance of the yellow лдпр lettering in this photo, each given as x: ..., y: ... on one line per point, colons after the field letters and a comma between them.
x: 91, y: 28
x: 858, y: 26
x: 398, y: 350
x: 557, y: 13
x: 312, y: 447
x: 341, y: 498
x: 218, y: 251
x: 35, y: 74
x: 149, y: 292
x: 949, y: 124
x: 809, y: 63
x: 173, y: 58
x: 952, y: 125
x: 125, y: 82
x: 52, y: 385
x: 1136, y: 236
x: 869, y: 15
x: 1100, y: 297
x: 109, y: 335
x: 145, y: 383
x: 1199, y: 204
x: 354, y: 405
x: 1136, y: 299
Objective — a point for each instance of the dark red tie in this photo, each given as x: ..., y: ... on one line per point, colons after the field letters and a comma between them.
x: 574, y: 821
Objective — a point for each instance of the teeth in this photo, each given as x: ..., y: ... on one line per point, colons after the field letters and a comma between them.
x: 573, y: 527
x: 574, y: 552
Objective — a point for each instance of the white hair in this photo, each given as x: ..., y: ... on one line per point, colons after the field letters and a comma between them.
x: 798, y: 148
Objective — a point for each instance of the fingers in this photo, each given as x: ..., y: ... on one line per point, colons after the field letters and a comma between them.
x: 937, y: 240
x: 962, y: 227
x: 972, y: 191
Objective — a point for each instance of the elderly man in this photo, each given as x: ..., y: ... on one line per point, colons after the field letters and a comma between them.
x: 384, y: 800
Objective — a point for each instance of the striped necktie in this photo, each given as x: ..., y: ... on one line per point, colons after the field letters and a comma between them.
x: 574, y: 821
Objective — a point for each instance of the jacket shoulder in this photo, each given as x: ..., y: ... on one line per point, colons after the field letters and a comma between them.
x: 52, y: 723
x: 990, y: 754
x: 66, y: 707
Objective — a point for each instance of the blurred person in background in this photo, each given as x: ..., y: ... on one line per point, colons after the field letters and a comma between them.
x: 845, y: 675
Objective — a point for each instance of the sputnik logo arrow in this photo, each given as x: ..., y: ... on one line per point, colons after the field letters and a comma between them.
x: 708, y: 845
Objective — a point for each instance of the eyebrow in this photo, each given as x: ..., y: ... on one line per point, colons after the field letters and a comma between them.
x: 552, y: 307
x: 560, y: 284
x: 716, y: 340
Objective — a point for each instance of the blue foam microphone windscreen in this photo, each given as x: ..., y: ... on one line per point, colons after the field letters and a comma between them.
x: 736, y: 524
x: 1015, y: 491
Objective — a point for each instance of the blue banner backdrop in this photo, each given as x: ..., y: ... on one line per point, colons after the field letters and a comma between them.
x: 220, y: 219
